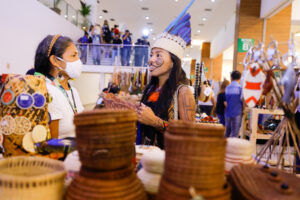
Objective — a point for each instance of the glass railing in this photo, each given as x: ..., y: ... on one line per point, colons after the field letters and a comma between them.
x: 113, y: 55
x: 65, y: 10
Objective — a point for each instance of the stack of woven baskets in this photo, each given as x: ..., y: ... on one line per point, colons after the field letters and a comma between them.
x: 105, y: 142
x: 194, y: 160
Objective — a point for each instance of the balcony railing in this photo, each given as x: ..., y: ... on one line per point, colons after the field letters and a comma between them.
x: 113, y: 55
x: 65, y: 10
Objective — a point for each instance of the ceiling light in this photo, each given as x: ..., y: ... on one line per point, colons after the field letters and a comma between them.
x: 66, y: 16
x: 191, y: 46
x: 204, y: 19
x: 145, y: 32
x: 151, y: 30
x: 176, y: 0
x: 100, y: 17
x: 154, y: 38
x: 187, y: 55
x: 187, y: 59
x: 297, y: 34
x: 198, y: 31
x: 73, y: 16
x: 213, y: 0
x: 197, y: 42
x: 147, y: 17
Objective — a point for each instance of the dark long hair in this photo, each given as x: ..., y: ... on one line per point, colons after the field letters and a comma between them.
x: 177, y: 77
x: 42, y: 62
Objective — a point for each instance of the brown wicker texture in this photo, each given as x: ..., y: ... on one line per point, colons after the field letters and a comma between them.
x: 128, y: 188
x: 27, y: 178
x: 255, y: 183
x: 106, y: 175
x: 105, y: 138
x: 195, y: 156
x: 186, y: 128
x: 168, y: 191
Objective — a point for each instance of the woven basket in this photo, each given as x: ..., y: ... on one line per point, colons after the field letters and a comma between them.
x: 106, y: 175
x: 128, y: 188
x: 27, y: 178
x: 169, y: 191
x: 105, y: 138
x: 186, y: 128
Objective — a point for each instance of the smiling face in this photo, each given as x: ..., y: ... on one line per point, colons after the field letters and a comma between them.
x: 160, y: 63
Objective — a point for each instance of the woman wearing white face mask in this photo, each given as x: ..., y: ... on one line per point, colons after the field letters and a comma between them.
x: 58, y: 55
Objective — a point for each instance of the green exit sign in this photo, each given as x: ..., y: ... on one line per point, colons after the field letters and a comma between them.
x: 244, y: 44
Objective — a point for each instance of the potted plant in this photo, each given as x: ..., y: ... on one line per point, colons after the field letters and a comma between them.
x: 85, y: 12
x: 55, y: 7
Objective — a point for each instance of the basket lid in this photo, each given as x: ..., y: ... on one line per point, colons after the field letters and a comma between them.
x: 186, y: 128
x: 104, y: 116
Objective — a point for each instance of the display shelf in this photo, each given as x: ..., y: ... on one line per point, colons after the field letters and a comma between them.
x: 253, y: 134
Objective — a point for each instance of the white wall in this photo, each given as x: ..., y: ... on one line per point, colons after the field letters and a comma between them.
x: 295, y: 10
x: 271, y: 7
x: 24, y: 23
x: 224, y: 38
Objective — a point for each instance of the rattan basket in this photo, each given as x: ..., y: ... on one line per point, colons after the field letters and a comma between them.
x: 28, y: 178
x: 127, y: 188
x: 186, y: 128
x: 105, y: 138
x: 169, y: 191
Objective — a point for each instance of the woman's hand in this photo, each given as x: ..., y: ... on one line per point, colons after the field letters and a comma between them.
x: 146, y: 115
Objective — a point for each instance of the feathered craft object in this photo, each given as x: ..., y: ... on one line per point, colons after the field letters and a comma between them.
x: 177, y: 35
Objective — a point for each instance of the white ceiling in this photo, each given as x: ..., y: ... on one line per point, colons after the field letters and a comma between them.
x: 162, y: 12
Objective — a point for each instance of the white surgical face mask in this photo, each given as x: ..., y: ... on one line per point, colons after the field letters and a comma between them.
x: 73, y: 69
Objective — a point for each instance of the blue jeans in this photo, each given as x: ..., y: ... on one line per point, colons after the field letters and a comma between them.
x: 126, y: 56
x: 221, y: 118
x: 233, y: 125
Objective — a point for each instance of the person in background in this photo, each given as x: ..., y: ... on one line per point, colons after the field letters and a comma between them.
x: 116, y: 49
x: 145, y: 50
x: 234, y: 106
x: 54, y: 55
x: 207, y: 107
x: 107, y: 37
x: 126, y: 48
x: 30, y: 71
x: 90, y: 33
x: 83, y: 47
x: 220, y: 107
x: 138, y: 52
x: 116, y: 30
x: 96, y: 48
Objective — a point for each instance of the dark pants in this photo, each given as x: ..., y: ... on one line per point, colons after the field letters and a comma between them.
x: 206, y: 109
x: 233, y: 125
x: 221, y: 118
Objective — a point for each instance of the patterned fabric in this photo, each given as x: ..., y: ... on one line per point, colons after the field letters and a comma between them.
x: 36, y: 116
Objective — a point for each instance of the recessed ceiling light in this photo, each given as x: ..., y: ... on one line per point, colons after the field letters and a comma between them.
x: 73, y: 16
x: 176, y: 0
x: 198, y: 31
x: 204, y: 19
x: 154, y: 38
x: 66, y: 16
x: 151, y: 29
x: 213, y: 0
x: 147, y: 17
x: 100, y: 17
x: 187, y: 55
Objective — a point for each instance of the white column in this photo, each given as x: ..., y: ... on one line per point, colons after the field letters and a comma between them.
x: 93, y: 14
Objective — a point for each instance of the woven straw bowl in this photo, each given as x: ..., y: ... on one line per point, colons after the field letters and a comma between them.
x: 105, y: 138
x: 128, y: 188
x: 28, y: 178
